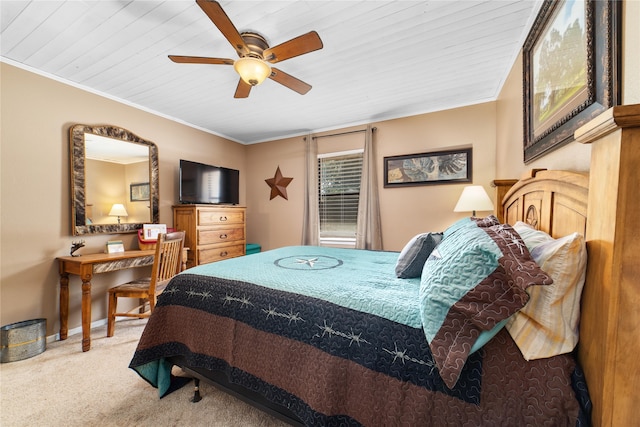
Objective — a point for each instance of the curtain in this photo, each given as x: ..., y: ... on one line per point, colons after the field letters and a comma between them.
x: 369, y: 229
x: 310, y: 227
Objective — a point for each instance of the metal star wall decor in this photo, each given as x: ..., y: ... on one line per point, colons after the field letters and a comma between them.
x: 278, y: 185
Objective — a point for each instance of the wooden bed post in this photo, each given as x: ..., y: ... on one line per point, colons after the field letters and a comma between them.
x: 502, y: 186
x: 609, y: 345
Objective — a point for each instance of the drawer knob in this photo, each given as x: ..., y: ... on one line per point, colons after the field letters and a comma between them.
x: 225, y: 253
x: 223, y: 218
x: 223, y: 236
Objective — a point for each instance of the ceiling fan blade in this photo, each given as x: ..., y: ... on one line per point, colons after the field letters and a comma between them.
x: 217, y: 15
x: 243, y: 89
x: 295, y: 47
x: 200, y: 60
x: 289, y: 81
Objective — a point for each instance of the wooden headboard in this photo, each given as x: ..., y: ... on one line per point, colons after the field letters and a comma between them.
x: 551, y: 201
x: 602, y: 205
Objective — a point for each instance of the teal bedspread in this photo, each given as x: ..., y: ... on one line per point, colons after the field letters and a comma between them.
x: 341, y: 276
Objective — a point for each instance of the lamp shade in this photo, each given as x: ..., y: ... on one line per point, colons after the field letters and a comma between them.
x: 252, y: 70
x: 118, y: 210
x: 473, y: 198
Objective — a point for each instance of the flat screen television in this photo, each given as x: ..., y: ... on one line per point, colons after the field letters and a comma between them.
x: 207, y: 184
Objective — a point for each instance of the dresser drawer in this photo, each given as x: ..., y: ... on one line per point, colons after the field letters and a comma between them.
x: 220, y: 217
x: 220, y: 235
x: 220, y: 252
x: 213, y: 232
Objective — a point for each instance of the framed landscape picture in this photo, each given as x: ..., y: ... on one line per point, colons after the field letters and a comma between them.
x: 139, y: 192
x: 570, y: 70
x: 437, y: 167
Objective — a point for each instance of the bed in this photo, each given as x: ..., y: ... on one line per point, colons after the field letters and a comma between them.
x: 356, y: 350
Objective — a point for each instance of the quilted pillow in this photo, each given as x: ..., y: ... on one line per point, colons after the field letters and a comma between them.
x: 476, y: 278
x: 415, y: 254
x: 548, y: 324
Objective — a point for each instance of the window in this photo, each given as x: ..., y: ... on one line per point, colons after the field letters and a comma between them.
x: 338, y: 195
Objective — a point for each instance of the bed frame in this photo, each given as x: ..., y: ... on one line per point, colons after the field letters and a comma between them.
x: 600, y: 205
x: 604, y: 207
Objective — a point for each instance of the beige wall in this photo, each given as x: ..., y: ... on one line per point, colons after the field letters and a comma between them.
x: 405, y: 211
x: 35, y: 206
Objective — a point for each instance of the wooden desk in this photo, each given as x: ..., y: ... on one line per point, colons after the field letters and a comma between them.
x: 86, y: 266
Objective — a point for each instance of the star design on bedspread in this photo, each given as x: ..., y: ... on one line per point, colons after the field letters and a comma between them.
x: 278, y: 185
x: 309, y: 262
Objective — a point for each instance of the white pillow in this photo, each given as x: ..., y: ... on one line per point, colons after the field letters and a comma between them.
x: 548, y: 324
x: 530, y: 235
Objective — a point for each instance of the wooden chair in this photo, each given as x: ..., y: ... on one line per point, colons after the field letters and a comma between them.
x: 167, y: 262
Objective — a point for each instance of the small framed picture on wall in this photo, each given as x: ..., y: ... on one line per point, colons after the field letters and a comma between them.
x: 438, y: 167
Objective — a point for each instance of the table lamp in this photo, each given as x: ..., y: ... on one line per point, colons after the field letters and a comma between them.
x: 473, y: 198
x: 118, y: 210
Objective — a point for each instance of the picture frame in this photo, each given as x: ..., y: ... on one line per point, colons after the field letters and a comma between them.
x: 436, y: 167
x: 151, y: 231
x: 115, y: 246
x: 571, y: 70
x: 139, y: 192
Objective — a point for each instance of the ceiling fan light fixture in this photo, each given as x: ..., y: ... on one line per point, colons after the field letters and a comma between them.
x: 252, y: 70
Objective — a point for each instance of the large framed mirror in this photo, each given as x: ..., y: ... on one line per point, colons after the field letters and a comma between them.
x: 114, y: 180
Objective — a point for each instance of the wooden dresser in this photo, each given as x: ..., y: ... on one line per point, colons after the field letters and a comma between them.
x: 213, y: 232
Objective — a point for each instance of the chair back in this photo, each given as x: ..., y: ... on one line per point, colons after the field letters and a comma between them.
x: 168, y: 258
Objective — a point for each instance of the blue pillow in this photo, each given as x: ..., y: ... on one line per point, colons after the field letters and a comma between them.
x: 472, y: 283
x: 415, y: 253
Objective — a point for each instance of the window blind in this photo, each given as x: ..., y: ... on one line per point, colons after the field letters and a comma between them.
x: 339, y: 192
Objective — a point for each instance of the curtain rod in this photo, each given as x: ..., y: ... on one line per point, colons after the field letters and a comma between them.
x: 341, y: 133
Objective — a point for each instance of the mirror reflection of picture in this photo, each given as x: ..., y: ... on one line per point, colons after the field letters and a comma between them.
x: 139, y: 192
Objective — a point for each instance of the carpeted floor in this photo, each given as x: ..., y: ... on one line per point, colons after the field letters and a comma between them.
x: 65, y: 387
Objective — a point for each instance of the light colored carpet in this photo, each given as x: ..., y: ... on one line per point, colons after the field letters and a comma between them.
x: 65, y: 387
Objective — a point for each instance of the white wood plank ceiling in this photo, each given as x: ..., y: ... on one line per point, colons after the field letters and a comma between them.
x: 381, y: 59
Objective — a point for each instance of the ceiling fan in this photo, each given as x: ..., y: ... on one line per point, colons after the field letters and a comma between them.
x: 255, y: 55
